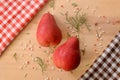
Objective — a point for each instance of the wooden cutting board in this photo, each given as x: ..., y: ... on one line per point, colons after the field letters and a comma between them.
x: 102, y: 15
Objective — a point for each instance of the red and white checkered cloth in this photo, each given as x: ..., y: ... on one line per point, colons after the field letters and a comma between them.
x: 107, y: 66
x: 14, y: 15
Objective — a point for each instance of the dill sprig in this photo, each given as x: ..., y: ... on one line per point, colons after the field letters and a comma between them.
x: 77, y: 20
x: 41, y: 63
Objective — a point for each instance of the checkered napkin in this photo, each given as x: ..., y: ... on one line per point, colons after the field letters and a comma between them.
x: 14, y: 15
x: 107, y: 66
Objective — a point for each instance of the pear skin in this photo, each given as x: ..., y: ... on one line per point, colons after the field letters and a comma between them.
x: 67, y: 56
x: 48, y: 33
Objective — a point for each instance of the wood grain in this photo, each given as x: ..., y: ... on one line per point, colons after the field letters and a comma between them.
x: 10, y: 69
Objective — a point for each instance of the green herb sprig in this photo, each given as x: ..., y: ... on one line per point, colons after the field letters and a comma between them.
x: 41, y: 63
x: 77, y: 20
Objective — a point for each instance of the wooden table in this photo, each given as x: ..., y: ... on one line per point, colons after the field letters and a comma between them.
x: 104, y: 12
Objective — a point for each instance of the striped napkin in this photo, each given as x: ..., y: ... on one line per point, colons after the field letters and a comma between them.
x: 107, y: 66
x: 14, y: 15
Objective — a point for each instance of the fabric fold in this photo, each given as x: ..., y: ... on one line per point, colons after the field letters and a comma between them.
x: 107, y: 65
x: 14, y: 16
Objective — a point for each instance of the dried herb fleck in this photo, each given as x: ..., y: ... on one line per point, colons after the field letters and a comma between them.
x: 52, y: 4
x: 41, y: 63
x: 83, y: 51
x: 45, y: 52
x: 25, y: 75
x: 15, y: 56
x: 74, y: 4
x: 68, y: 34
x: 98, y: 35
x: 87, y: 65
x: 27, y: 33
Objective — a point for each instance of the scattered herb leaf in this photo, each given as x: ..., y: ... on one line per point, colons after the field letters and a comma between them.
x: 88, y: 26
x: 51, y: 49
x: 25, y: 75
x: 83, y: 51
x: 97, y: 34
x: 74, y: 4
x: 15, y: 56
x: 71, y: 72
x: 68, y: 34
x: 45, y: 51
x: 52, y: 4
x: 62, y: 13
x: 41, y: 63
x: 27, y: 33
x: 87, y: 65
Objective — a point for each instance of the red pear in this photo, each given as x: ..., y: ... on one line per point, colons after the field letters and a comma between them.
x: 48, y: 33
x: 67, y: 56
